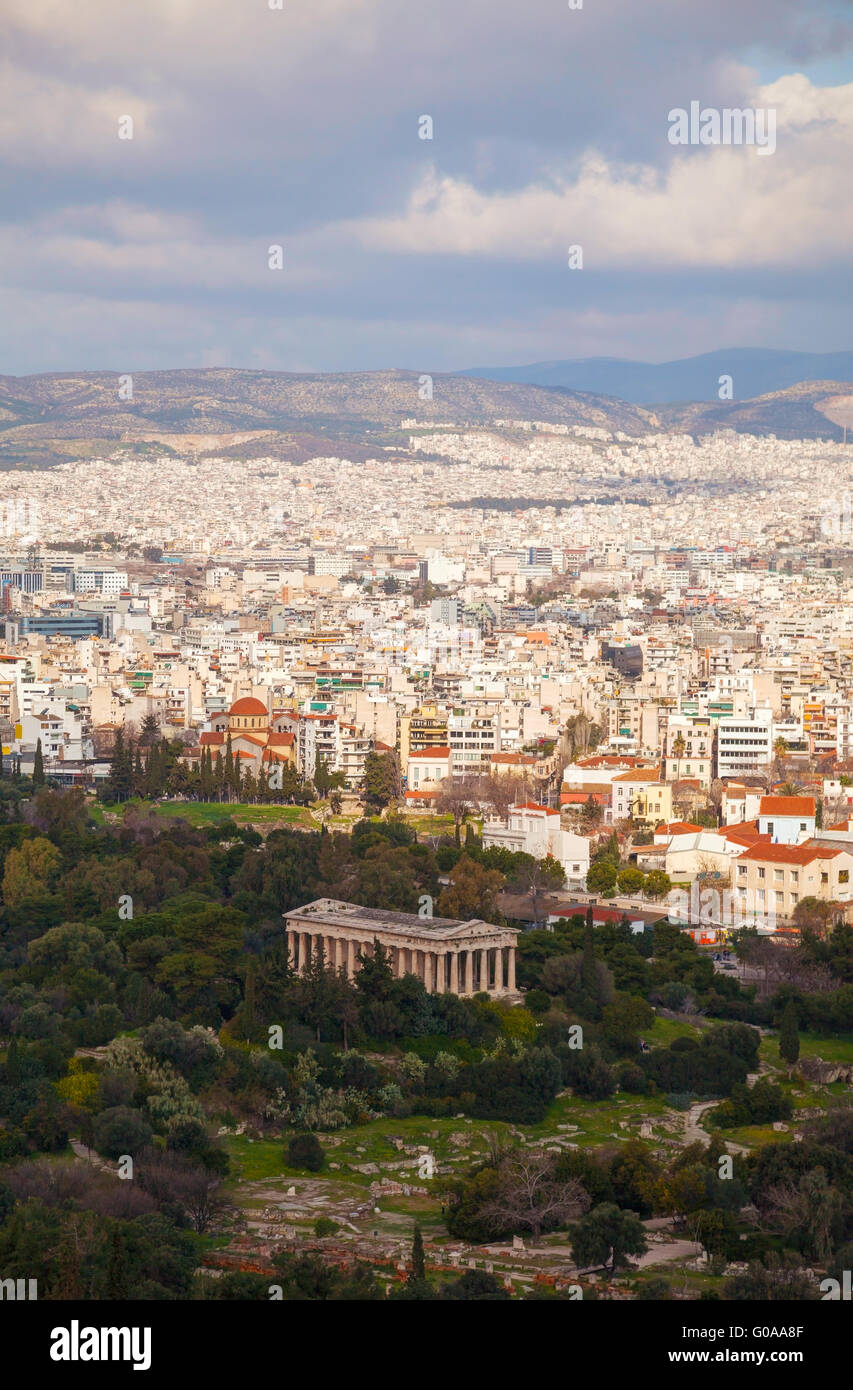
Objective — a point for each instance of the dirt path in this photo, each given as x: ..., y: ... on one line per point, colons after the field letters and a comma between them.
x: 89, y: 1156
x: 694, y: 1133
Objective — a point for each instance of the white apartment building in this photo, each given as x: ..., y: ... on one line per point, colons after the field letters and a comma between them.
x: 100, y: 581
x: 689, y: 749
x: 472, y: 739
x: 428, y: 767
x: 744, y: 742
x: 788, y: 820
x: 534, y: 829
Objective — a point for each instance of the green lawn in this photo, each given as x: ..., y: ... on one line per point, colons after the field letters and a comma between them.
x: 205, y: 813
x: 666, y: 1030
x: 830, y: 1049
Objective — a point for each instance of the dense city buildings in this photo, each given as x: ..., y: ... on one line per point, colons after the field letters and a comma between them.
x: 580, y: 614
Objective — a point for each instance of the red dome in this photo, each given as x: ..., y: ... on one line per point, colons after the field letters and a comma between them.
x: 249, y: 705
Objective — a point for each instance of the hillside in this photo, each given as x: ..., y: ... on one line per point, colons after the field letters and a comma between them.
x: 812, y: 409
x: 46, y: 419
x: 42, y: 418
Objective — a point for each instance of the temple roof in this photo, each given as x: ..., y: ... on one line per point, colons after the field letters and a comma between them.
x: 365, y: 920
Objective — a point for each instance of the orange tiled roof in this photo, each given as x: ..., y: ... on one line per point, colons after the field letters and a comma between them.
x: 790, y: 854
x: 787, y: 806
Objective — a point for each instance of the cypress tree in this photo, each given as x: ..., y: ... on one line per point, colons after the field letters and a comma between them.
x: 418, y: 1261
x: 789, y: 1037
x: 589, y: 974
x: 38, y: 766
x: 229, y: 766
x: 121, y: 769
x: 13, y: 1064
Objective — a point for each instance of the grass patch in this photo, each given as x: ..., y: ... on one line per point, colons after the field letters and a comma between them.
x: 207, y: 813
x: 666, y: 1030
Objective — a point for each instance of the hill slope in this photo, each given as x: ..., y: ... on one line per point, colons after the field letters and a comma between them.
x: 43, y: 410
x: 45, y: 419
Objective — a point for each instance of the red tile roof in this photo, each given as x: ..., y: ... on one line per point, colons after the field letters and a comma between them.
x: 789, y: 854
x: 787, y: 806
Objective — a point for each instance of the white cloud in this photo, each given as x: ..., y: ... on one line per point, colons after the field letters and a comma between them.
x: 714, y: 207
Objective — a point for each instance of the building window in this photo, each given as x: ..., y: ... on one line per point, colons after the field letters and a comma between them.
x: 761, y: 873
x: 770, y: 827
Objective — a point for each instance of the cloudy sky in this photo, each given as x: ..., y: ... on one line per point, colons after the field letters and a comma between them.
x: 299, y: 127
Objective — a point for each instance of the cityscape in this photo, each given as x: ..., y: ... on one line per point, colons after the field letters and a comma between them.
x: 426, y: 792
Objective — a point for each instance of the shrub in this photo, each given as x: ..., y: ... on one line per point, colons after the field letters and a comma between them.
x: 121, y: 1131
x: 305, y: 1151
x: 537, y: 1001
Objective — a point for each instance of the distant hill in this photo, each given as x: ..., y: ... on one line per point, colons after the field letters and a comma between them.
x: 810, y: 410
x: 38, y: 413
x: 755, y: 372
x: 45, y: 419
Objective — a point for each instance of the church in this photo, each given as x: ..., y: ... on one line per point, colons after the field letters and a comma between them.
x: 256, y: 743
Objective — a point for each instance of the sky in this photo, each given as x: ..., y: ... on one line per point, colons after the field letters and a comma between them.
x: 299, y: 127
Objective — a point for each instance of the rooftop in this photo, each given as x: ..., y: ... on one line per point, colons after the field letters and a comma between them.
x: 371, y: 919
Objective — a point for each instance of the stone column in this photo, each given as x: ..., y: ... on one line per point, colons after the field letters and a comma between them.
x: 306, y: 951
x: 454, y: 972
x: 401, y: 961
x: 350, y: 957
x: 499, y: 970
x: 469, y: 972
x: 331, y: 950
x: 428, y: 976
x: 510, y: 983
x: 484, y: 970
x: 440, y: 973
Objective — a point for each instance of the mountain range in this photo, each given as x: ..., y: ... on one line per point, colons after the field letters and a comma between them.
x: 754, y: 372
x: 48, y: 418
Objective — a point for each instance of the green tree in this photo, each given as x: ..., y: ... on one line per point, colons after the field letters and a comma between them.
x: 601, y: 877
x: 631, y: 880
x: 120, y: 780
x: 38, y: 766
x: 789, y: 1037
x: 316, y: 991
x: 471, y: 892
x: 607, y: 1236
x: 381, y: 780
x: 658, y: 884
x: 305, y: 1151
x: 592, y: 813
x: 150, y: 731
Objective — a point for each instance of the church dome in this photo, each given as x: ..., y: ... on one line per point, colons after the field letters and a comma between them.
x: 248, y: 705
